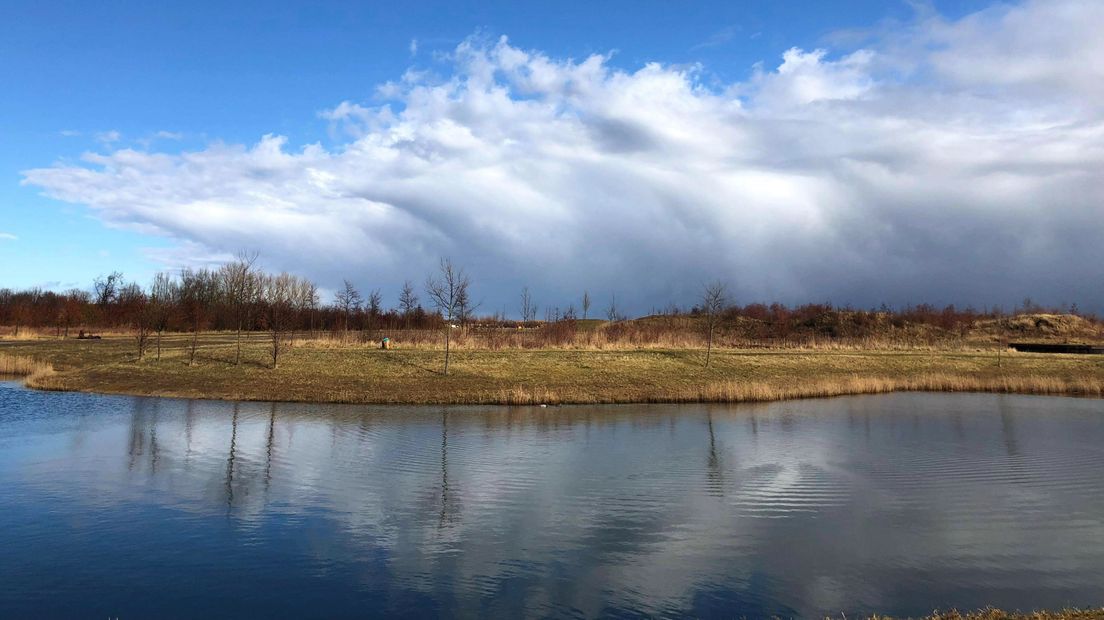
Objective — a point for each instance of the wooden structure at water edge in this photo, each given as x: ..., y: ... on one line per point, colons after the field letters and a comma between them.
x: 1047, y: 347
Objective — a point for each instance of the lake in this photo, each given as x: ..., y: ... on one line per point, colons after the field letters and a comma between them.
x: 144, y: 507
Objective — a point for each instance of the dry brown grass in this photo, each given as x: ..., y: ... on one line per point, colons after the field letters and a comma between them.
x: 670, y: 332
x: 755, y: 391
x: 12, y: 333
x: 22, y: 366
x: 25, y: 333
x: 606, y: 337
x: 739, y: 391
x: 330, y: 372
x: 992, y: 613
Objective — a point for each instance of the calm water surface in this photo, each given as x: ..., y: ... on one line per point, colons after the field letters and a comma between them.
x: 140, y: 507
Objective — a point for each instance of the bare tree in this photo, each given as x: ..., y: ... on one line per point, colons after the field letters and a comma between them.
x: 408, y: 301
x: 279, y: 295
x: 239, y: 282
x: 1002, y: 344
x: 22, y: 314
x: 528, y: 308
x: 375, y: 307
x: 310, y: 302
x: 163, y: 298
x: 106, y: 288
x: 611, y: 312
x: 551, y: 314
x: 106, y: 293
x: 75, y: 302
x: 199, y: 289
x: 348, y: 301
x: 586, y: 304
x: 304, y: 299
x: 465, y: 308
x: 136, y: 307
x: 56, y: 307
x: 712, y: 303
x: 447, y: 292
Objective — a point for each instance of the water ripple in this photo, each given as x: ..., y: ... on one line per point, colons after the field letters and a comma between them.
x: 896, y: 503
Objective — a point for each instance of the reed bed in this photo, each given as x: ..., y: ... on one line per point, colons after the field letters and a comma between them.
x: 23, y: 366
x: 992, y: 613
x: 757, y: 391
x: 740, y: 391
x: 11, y: 333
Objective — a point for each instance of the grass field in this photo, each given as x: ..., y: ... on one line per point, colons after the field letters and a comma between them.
x: 362, y: 374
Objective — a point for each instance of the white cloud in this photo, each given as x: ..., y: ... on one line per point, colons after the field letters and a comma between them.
x: 806, y: 77
x: 718, y: 38
x: 925, y: 166
x: 413, y: 47
x: 1042, y: 47
x: 108, y: 138
x: 8, y: 237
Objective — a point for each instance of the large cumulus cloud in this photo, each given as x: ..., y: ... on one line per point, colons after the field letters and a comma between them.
x: 944, y: 161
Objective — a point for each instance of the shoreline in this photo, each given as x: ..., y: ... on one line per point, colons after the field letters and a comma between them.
x: 558, y: 403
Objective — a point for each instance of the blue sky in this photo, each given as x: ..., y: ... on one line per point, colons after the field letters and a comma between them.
x: 85, y: 77
x: 213, y: 71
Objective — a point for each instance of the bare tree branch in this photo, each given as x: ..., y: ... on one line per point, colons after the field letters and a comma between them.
x: 712, y: 304
x: 449, y: 294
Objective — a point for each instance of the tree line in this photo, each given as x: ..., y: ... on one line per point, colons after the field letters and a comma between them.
x: 237, y: 296
x: 240, y: 297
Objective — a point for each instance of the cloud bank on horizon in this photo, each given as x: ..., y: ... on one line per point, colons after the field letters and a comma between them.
x: 942, y: 161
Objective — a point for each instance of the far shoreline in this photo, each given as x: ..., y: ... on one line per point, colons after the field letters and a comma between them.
x: 369, y: 376
x: 397, y: 404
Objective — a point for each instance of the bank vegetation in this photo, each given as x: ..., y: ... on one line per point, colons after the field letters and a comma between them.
x: 993, y: 613
x: 328, y: 371
x: 237, y: 332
